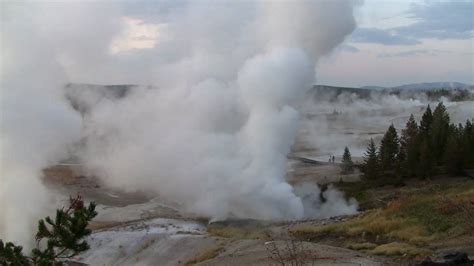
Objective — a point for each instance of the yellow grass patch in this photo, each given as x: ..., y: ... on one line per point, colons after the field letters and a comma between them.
x: 98, y: 225
x: 418, y: 217
x: 372, y: 222
x: 400, y: 249
x: 361, y: 246
x: 236, y: 232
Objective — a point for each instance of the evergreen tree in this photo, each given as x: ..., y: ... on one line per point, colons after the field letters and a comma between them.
x: 453, y: 159
x: 409, y: 148
x: 439, y: 132
x: 426, y: 161
x: 426, y: 120
x: 425, y: 157
x: 468, y: 144
x: 64, y: 237
x: 12, y: 255
x: 371, y: 163
x: 389, y: 149
x: 347, y: 164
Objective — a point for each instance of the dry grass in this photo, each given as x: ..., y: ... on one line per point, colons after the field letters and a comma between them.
x: 98, y: 225
x: 377, y: 224
x: 361, y: 246
x: 207, y: 254
x: 400, y: 249
x: 144, y: 245
x: 418, y: 216
x: 59, y: 174
x: 239, y: 233
x: 369, y: 224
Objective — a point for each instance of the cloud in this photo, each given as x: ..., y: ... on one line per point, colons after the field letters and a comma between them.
x: 137, y: 34
x: 348, y: 48
x: 440, y: 20
x: 408, y: 53
x: 432, y: 20
x: 385, y: 37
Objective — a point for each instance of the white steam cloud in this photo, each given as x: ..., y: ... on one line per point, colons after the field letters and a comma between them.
x: 332, y: 121
x: 38, y: 127
x: 214, y: 133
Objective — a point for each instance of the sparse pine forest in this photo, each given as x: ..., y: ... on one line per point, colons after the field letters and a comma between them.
x: 433, y: 146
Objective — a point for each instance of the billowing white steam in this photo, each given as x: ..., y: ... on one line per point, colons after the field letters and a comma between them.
x: 324, y: 204
x: 37, y: 125
x: 330, y: 123
x: 215, y: 140
x: 214, y: 134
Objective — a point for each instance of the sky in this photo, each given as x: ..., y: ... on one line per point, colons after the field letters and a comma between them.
x: 395, y: 42
x: 402, y: 42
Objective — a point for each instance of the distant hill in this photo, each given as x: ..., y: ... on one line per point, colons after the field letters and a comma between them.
x: 424, y: 86
x: 453, y: 91
x: 84, y: 97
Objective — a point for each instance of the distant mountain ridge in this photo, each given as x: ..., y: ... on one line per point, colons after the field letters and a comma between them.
x: 424, y: 86
x: 453, y: 91
x: 84, y: 97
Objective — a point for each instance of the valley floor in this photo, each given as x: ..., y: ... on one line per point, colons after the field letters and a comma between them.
x: 397, y: 225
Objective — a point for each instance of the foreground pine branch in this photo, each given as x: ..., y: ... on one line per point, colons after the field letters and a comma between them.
x: 56, y: 240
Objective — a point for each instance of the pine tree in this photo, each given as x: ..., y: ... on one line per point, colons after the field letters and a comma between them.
x: 347, y: 164
x: 64, y: 237
x: 439, y: 132
x: 371, y: 163
x: 468, y: 144
x: 426, y: 120
x: 12, y: 255
x: 426, y: 161
x: 389, y: 149
x: 409, y: 148
x: 453, y: 158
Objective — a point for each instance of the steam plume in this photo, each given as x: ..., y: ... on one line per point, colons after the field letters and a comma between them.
x: 37, y: 124
x: 214, y: 134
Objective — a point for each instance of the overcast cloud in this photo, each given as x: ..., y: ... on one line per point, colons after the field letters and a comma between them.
x: 400, y: 42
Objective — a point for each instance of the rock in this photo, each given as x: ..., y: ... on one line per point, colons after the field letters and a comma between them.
x: 457, y: 258
x: 450, y: 259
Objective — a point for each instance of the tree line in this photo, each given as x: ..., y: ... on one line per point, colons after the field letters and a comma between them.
x: 431, y: 147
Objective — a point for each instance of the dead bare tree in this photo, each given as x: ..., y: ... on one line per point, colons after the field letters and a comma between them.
x: 290, y: 252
